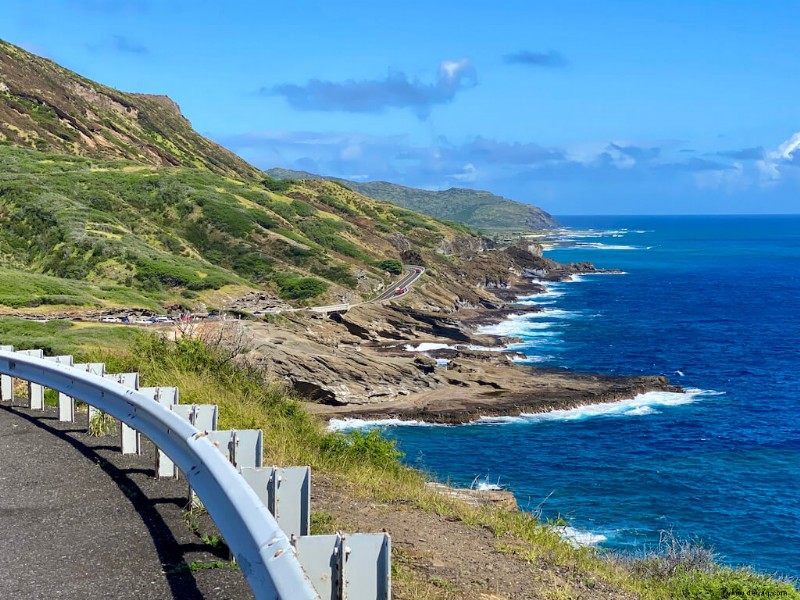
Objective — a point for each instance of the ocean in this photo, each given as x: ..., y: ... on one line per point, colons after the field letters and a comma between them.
x: 711, y: 302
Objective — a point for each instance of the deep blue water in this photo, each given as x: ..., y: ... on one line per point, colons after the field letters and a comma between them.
x: 712, y: 302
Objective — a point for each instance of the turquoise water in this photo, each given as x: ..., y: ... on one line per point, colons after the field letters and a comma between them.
x: 711, y: 302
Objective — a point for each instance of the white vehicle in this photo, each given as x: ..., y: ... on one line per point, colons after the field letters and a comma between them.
x: 109, y: 320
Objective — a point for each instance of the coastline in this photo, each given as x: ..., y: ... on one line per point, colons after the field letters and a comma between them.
x: 474, y: 375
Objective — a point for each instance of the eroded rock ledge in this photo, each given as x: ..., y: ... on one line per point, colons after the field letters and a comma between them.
x: 357, y: 365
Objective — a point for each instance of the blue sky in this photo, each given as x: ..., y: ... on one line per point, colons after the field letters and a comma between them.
x: 580, y: 107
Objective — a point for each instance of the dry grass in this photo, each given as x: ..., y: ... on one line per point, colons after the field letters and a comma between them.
x: 368, y: 467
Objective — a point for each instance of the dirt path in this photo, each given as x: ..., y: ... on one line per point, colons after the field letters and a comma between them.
x: 440, y: 558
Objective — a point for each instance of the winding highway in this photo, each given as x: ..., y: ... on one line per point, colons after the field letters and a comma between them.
x: 400, y: 289
x: 397, y: 290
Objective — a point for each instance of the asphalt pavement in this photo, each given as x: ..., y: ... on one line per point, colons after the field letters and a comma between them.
x: 79, y: 520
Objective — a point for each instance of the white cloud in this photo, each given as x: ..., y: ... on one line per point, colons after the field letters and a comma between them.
x: 772, y: 166
x: 468, y: 174
x: 787, y: 149
x: 450, y: 69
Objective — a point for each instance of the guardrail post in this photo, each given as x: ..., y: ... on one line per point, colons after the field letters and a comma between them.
x: 286, y: 492
x: 202, y: 416
x: 6, y: 382
x: 166, y: 397
x: 328, y: 561
x: 98, y: 369
x: 243, y: 447
x: 66, y: 405
x: 35, y: 391
x: 129, y: 439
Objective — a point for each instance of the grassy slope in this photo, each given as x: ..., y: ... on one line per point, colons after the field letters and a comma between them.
x: 169, y: 234
x: 206, y: 374
x: 478, y: 209
x: 120, y: 192
x: 47, y: 107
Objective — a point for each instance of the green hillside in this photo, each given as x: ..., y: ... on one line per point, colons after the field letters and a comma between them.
x: 91, y: 232
x: 111, y: 199
x: 46, y: 107
x: 478, y: 209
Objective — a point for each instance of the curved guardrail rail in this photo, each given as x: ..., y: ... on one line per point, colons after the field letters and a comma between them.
x: 265, y: 554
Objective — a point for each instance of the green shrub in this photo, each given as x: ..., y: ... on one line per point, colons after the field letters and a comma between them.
x: 254, y: 266
x: 284, y: 210
x: 229, y: 218
x: 279, y: 186
x: 295, y: 287
x: 392, y: 265
x: 263, y: 219
x: 327, y: 233
x: 338, y: 273
x: 154, y: 272
x: 337, y: 205
x: 357, y: 446
x: 303, y: 209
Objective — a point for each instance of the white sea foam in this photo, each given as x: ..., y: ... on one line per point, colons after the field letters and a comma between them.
x: 552, y: 291
x: 426, y: 346
x: 583, y: 276
x: 578, y: 538
x: 348, y: 424
x: 531, y: 359
x: 552, y: 313
x: 518, y: 326
x: 486, y: 348
x: 642, y: 410
x: 599, y: 246
x: 642, y: 404
x: 573, y: 234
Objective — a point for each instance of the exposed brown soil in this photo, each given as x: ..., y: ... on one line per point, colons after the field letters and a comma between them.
x: 448, y: 559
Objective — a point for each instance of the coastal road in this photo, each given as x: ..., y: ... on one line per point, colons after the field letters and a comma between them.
x: 80, y: 520
x: 413, y: 273
x: 397, y: 290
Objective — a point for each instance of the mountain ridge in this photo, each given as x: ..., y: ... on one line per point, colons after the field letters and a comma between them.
x: 479, y: 209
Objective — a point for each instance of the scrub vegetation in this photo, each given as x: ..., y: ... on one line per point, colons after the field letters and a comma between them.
x: 459, y: 207
x: 110, y: 199
x: 80, y: 232
x: 369, y: 467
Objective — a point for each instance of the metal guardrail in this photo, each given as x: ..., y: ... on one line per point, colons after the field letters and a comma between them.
x: 263, y: 551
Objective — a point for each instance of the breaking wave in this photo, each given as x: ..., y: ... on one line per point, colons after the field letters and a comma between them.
x: 643, y: 404
x: 348, y: 424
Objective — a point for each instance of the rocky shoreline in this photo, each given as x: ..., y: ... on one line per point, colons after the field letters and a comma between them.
x: 357, y: 364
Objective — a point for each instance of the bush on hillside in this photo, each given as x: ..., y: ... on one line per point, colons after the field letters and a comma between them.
x: 392, y: 265
x: 278, y: 186
x: 295, y: 287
